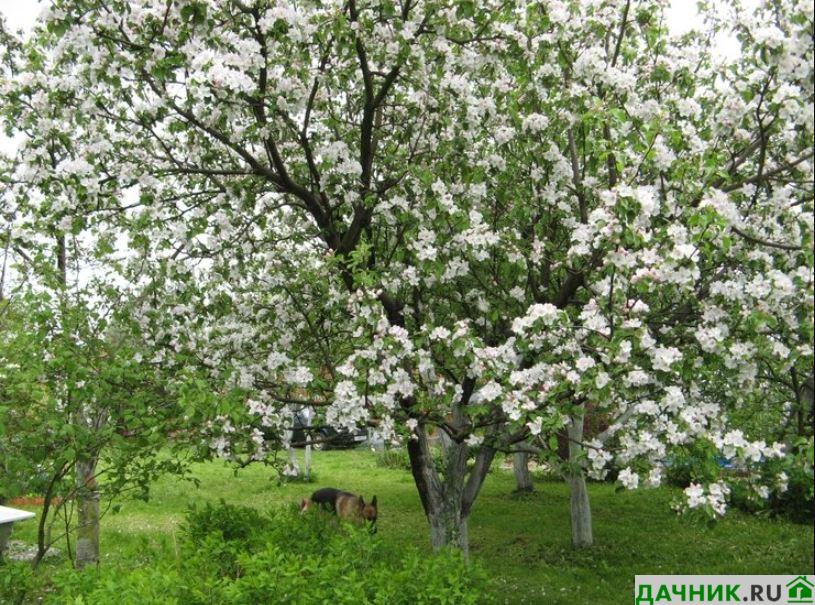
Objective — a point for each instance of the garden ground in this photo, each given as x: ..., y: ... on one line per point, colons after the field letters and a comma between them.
x: 522, y: 540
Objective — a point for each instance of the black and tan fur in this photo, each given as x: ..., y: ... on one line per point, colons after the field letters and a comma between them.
x: 345, y: 505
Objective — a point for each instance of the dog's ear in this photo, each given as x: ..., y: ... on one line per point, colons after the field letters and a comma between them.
x: 361, y: 502
x: 373, y: 502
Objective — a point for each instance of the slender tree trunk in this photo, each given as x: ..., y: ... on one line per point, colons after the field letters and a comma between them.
x: 87, y: 533
x: 43, y: 541
x: 5, y: 260
x: 307, y: 461
x: 582, y: 536
x: 87, y: 494
x: 293, y: 467
x: 87, y: 540
x: 520, y: 466
x: 807, y: 407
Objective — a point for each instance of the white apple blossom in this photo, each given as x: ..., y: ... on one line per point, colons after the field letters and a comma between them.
x: 493, y: 220
x: 628, y: 478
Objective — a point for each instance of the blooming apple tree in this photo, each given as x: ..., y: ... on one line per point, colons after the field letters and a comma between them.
x: 489, y: 219
x: 85, y: 415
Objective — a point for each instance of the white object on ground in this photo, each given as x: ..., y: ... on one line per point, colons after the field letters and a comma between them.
x: 8, y: 516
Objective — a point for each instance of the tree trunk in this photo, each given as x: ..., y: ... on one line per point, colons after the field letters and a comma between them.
x: 806, y: 409
x: 43, y: 540
x: 447, y: 499
x: 582, y: 536
x: 87, y: 535
x: 293, y: 467
x: 520, y: 466
x: 448, y: 527
x: 307, y: 456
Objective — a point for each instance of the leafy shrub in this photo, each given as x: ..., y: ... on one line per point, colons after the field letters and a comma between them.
x: 701, y: 463
x: 154, y: 585
x: 697, y: 463
x: 797, y: 502
x: 232, y: 523
x: 235, y: 555
x: 395, y: 458
x: 16, y: 579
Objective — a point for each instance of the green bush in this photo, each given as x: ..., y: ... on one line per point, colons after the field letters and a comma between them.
x: 397, y: 459
x: 797, y: 502
x: 232, y: 523
x: 235, y: 555
x: 697, y: 463
x: 16, y: 579
x: 701, y: 463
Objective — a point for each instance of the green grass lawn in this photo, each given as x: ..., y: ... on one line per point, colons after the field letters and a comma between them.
x: 523, y: 541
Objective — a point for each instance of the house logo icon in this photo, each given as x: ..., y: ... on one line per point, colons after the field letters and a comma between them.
x: 800, y: 590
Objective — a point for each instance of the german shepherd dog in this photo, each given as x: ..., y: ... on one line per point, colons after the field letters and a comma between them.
x: 345, y: 505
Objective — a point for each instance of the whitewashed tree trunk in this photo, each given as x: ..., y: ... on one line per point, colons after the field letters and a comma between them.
x: 582, y: 535
x: 87, y: 494
x: 87, y: 489
x: 448, y: 527
x: 293, y: 467
x: 448, y: 497
x: 308, y: 414
x: 87, y: 533
x: 520, y: 466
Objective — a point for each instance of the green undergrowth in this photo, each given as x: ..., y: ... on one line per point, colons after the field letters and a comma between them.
x: 522, y: 541
x: 240, y: 556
